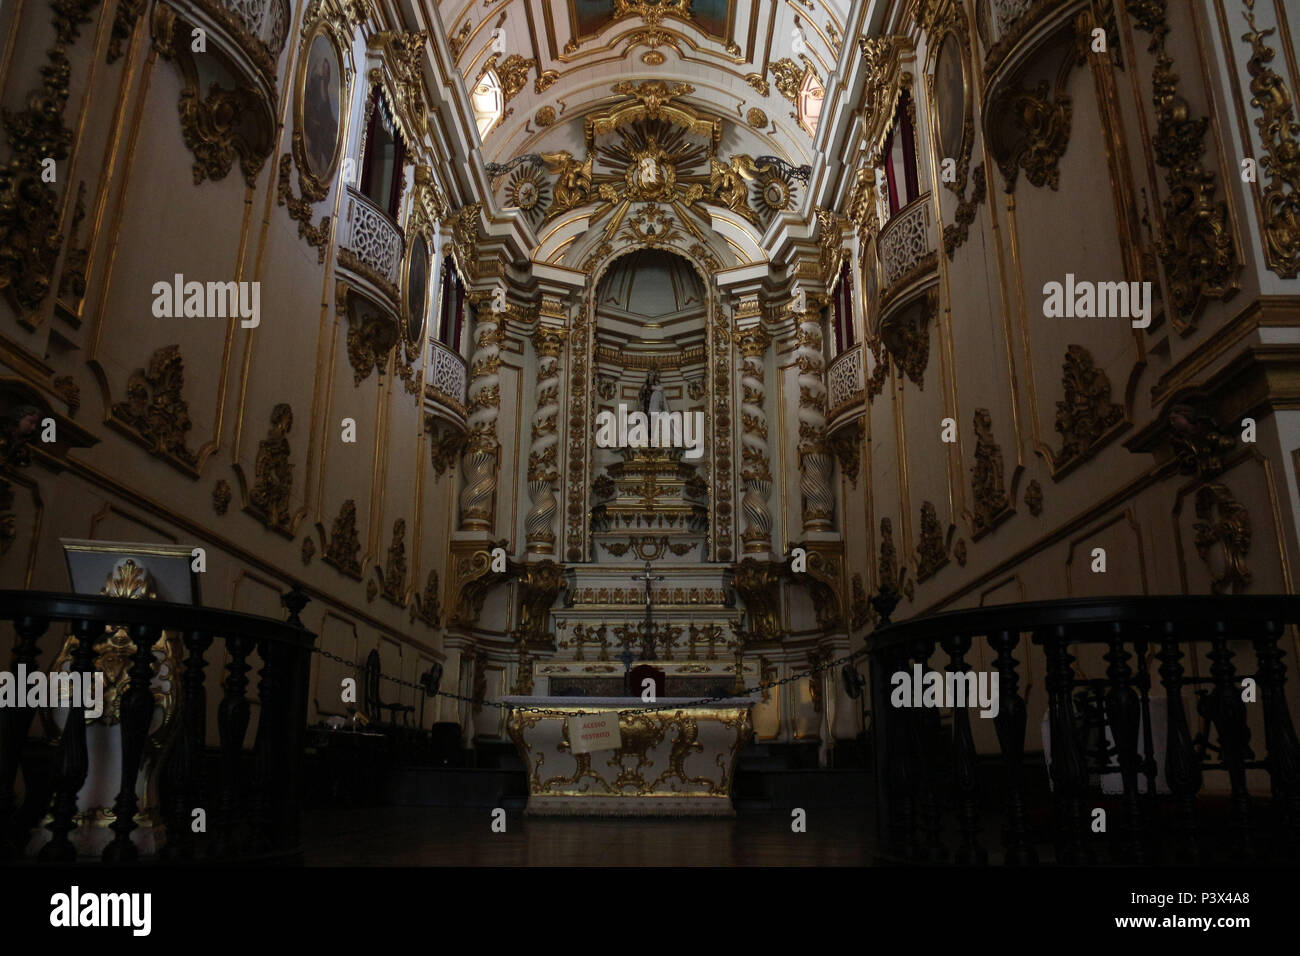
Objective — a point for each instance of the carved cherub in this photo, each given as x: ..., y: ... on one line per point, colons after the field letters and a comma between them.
x: 572, y: 180
x: 729, y: 184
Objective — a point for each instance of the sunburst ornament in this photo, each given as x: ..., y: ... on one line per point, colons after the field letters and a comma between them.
x: 528, y: 190
x: 772, y: 194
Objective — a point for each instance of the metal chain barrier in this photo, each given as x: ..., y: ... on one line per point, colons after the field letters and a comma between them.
x: 545, y: 712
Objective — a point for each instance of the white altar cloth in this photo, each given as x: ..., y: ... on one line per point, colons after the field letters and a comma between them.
x: 677, y: 758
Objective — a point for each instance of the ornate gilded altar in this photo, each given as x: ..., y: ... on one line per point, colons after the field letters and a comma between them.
x: 672, y: 762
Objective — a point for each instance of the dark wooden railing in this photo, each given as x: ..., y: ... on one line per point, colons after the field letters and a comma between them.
x: 254, y: 814
x: 935, y: 794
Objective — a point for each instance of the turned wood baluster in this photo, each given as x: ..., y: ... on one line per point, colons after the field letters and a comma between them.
x: 1150, y: 818
x: 14, y: 722
x: 1182, y: 764
x: 888, y: 744
x: 898, y: 766
x: 1010, y: 727
x: 922, y: 742
x: 292, y: 724
x: 1229, y: 715
x: 267, y: 761
x: 963, y: 752
x: 73, y: 760
x: 1122, y: 715
x: 135, y: 712
x: 1069, y: 770
x: 232, y: 723
x: 184, y: 770
x: 1280, y: 738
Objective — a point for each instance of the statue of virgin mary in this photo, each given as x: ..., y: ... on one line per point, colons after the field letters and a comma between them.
x: 652, y: 394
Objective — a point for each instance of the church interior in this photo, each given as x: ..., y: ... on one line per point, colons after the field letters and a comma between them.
x: 649, y: 432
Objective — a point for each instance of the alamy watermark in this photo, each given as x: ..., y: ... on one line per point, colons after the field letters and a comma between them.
x: 208, y: 300
x: 922, y: 688
x: 1098, y: 300
x: 57, y: 689
x: 657, y: 429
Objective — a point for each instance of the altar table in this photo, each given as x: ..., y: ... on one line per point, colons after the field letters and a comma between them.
x: 675, y: 760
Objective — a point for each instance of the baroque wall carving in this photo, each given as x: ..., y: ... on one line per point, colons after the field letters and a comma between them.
x: 370, y: 338
x: 1195, y: 243
x: 932, y: 549
x: 1041, y: 125
x: 987, y: 483
x: 273, y: 474
x: 301, y: 211
x: 430, y: 604
x: 1280, y: 156
x: 29, y: 208
x: 905, y: 334
x: 393, y: 575
x: 446, y: 443
x: 846, y: 445
x: 343, y: 551
x: 155, y: 413
x: 1086, y: 414
x: 957, y: 231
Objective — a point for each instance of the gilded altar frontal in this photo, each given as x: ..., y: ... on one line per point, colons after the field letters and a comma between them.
x: 867, y: 428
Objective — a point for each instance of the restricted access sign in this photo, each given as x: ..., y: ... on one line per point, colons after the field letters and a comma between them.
x: 592, y: 732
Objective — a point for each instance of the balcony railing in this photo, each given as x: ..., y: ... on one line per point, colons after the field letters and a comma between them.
x: 846, y: 382
x: 254, y: 809
x: 447, y: 378
x: 371, y: 245
x: 267, y: 21
x: 907, y: 246
x: 1009, y: 22
x: 1100, y: 746
x: 249, y: 31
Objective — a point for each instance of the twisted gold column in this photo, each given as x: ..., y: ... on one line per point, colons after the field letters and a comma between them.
x: 479, y: 463
x: 814, y: 458
x: 756, y: 471
x: 543, y: 470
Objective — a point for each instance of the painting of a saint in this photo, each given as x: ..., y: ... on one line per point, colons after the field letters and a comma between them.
x: 950, y: 86
x: 320, y: 108
x: 417, y: 288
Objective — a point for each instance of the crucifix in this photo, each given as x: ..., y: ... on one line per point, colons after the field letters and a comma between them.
x: 647, y: 639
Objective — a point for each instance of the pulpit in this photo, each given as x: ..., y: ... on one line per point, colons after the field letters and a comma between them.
x: 675, y: 758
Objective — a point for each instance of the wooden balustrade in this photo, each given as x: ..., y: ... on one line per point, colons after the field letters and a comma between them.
x: 254, y: 812
x: 932, y: 785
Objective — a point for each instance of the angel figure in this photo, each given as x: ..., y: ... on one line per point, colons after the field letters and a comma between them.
x: 572, y: 180
x: 728, y: 184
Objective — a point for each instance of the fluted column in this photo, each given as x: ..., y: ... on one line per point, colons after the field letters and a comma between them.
x: 543, y: 470
x: 814, y: 458
x: 756, y: 471
x: 479, y: 463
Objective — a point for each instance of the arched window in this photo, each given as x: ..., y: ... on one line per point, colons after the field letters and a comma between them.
x: 451, y: 306
x: 842, y: 312
x: 811, y: 96
x: 487, y: 101
x: 382, y: 158
x: 900, y: 158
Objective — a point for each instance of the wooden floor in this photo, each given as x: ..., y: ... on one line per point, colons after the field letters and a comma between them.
x: 440, y: 836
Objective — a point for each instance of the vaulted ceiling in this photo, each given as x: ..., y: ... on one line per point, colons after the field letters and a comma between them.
x: 756, y: 65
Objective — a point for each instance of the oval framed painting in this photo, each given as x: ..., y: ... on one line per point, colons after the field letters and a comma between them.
x: 416, y: 285
x: 952, y: 99
x: 319, y: 109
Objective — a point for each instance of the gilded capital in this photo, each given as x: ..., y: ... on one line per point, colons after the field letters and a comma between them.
x: 548, y: 341
x: 753, y: 341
